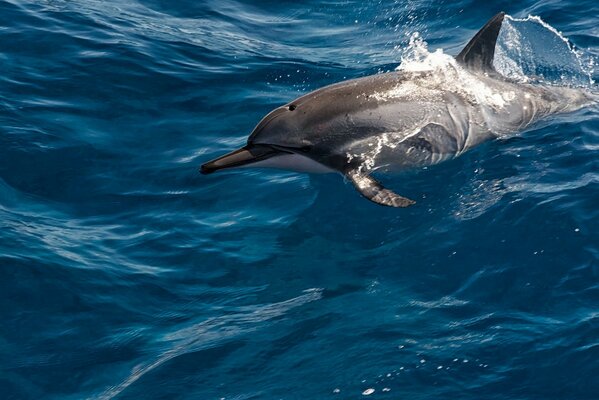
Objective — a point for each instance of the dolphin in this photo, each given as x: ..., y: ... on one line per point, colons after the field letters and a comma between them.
x: 401, y: 119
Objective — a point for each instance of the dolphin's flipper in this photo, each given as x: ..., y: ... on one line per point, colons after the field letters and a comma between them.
x: 374, y: 191
x: 479, y: 52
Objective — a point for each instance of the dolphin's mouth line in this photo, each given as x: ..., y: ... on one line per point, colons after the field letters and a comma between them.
x: 248, y: 154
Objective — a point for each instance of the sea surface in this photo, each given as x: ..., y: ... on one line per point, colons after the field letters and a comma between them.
x: 125, y: 274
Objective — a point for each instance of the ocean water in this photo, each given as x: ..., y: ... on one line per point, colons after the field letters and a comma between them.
x: 126, y: 274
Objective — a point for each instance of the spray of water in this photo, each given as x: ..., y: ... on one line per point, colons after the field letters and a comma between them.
x: 528, y: 50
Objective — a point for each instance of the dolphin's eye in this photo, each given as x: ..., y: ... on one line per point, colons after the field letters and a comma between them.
x: 292, y: 107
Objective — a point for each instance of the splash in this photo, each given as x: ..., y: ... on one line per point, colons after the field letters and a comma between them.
x: 417, y: 57
x: 447, y: 74
x: 530, y: 50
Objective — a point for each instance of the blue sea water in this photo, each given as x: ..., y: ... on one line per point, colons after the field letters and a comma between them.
x: 125, y: 274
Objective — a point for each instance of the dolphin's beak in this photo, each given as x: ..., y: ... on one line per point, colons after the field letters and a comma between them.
x: 246, y: 155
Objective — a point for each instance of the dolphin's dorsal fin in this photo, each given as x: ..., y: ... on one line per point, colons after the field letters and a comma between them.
x: 374, y: 191
x: 478, y: 53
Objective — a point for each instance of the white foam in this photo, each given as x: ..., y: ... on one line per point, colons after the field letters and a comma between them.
x: 447, y: 75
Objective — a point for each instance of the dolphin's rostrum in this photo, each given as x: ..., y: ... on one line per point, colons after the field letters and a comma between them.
x: 400, y: 119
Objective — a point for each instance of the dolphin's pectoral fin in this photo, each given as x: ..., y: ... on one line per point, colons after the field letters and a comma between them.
x: 374, y: 191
